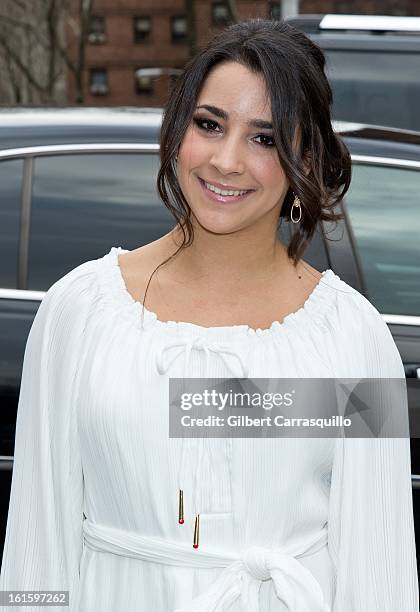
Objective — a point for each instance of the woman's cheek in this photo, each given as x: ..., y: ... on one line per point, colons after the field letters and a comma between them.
x: 269, y: 171
x: 192, y: 150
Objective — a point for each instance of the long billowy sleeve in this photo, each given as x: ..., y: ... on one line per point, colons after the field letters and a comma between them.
x: 371, y: 528
x: 43, y: 541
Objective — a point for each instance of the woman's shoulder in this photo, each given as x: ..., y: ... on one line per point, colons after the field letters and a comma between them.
x: 77, y: 282
x: 364, y: 332
x: 136, y: 267
x: 358, y: 307
x: 356, y: 312
x: 61, y: 318
x: 338, y: 304
x: 72, y: 295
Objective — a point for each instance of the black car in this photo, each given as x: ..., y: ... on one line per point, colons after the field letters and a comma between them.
x: 373, y: 64
x: 74, y: 182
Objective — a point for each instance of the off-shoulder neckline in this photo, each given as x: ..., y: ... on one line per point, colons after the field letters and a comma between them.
x: 319, y: 302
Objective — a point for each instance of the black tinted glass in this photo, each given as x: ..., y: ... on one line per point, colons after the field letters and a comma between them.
x: 380, y: 88
x: 383, y: 205
x: 86, y: 203
x: 10, y: 202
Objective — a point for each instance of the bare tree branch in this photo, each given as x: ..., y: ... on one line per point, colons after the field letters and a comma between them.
x: 12, y: 78
x: 18, y: 23
x: 22, y: 5
x: 40, y: 42
x: 64, y: 54
x: 41, y: 38
x: 233, y: 10
x: 25, y: 70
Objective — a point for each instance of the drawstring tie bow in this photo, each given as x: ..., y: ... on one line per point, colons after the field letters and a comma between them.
x: 200, y: 344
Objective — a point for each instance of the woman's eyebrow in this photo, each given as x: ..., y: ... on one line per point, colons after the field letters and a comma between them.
x: 219, y: 112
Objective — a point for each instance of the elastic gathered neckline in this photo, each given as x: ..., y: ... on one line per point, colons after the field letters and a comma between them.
x: 317, y: 305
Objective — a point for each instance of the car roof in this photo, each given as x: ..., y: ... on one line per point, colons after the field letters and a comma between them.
x: 35, y: 126
x: 365, y: 139
x: 382, y: 24
x: 38, y: 127
x: 71, y: 114
x: 361, y: 32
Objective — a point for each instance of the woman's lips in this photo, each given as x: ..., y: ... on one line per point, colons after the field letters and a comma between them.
x: 217, y: 197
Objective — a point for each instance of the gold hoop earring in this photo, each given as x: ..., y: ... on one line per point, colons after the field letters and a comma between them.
x: 296, y: 203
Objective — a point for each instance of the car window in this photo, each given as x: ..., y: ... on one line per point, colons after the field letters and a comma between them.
x: 10, y: 202
x: 378, y: 88
x: 383, y: 207
x: 83, y: 204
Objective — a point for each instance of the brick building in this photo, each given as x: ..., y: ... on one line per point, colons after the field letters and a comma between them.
x: 127, y: 35
x: 362, y: 7
x: 132, y: 34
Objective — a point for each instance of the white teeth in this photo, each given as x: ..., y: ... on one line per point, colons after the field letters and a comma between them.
x: 224, y: 192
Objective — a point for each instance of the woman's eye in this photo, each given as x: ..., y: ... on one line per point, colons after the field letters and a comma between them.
x: 270, y: 140
x: 210, y: 126
x: 201, y: 124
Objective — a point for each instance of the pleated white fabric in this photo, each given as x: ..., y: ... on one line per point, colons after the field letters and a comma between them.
x: 286, y: 524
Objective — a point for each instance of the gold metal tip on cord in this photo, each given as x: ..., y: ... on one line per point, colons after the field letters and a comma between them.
x: 196, y: 531
x: 181, y: 507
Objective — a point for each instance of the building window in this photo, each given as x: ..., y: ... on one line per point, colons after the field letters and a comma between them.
x: 220, y: 14
x: 274, y: 11
x: 143, y: 83
x: 98, y: 81
x: 142, y: 28
x: 96, y: 34
x: 179, y: 28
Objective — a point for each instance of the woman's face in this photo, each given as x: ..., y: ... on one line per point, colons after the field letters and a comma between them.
x: 224, y: 148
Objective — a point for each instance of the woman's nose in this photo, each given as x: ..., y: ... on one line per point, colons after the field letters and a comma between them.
x: 228, y: 156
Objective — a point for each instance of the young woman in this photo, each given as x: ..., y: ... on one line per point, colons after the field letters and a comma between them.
x: 104, y: 503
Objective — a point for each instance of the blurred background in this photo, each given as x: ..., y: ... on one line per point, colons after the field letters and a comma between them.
x: 127, y: 52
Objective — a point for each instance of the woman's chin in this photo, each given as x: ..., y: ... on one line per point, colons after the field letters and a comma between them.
x: 217, y: 228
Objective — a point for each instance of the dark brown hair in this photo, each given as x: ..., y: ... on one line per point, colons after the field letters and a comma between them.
x: 300, y: 95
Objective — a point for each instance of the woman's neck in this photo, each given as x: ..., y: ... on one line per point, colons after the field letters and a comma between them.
x: 228, y: 258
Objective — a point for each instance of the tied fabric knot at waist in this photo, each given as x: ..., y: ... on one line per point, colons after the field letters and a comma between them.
x: 242, y: 574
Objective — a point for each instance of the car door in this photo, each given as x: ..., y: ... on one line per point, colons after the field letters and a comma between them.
x: 380, y: 251
x: 383, y: 206
x: 382, y: 240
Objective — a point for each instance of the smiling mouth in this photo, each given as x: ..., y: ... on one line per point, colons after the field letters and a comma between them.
x: 228, y: 191
x: 226, y: 196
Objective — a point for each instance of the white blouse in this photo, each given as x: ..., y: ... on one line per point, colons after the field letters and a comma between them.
x: 286, y: 524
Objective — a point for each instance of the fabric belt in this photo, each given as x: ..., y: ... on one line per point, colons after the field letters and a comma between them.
x: 242, y: 575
